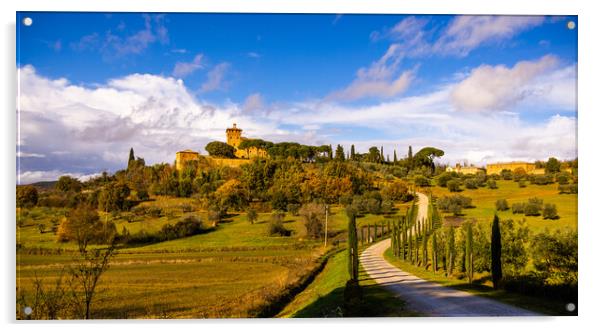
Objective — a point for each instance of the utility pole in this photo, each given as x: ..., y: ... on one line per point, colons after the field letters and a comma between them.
x: 326, y: 226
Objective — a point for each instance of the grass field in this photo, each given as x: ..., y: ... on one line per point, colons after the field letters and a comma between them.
x: 484, y: 201
x: 228, y: 272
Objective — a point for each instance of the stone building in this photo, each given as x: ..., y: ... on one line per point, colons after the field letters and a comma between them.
x: 233, y: 138
x: 513, y: 166
x: 464, y: 169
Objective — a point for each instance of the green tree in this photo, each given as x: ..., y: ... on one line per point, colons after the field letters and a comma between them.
x: 352, y: 247
x: 434, y: 250
x: 352, y: 154
x: 132, y: 158
x: 339, y: 153
x: 374, y: 155
x: 469, y: 252
x: 27, y: 196
x: 395, y: 157
x: 552, y: 166
x: 68, y: 184
x: 496, y: 252
x: 501, y: 205
x: 382, y: 154
x: 220, y: 149
x: 450, y: 241
x: 426, y: 156
x: 113, y: 197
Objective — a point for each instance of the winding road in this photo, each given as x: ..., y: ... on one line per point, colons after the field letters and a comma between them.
x: 425, y: 297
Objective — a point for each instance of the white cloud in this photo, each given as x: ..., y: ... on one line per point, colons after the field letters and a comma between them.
x: 113, y: 46
x: 499, y: 87
x: 254, y: 55
x: 29, y: 177
x: 382, y: 79
x: 182, y: 69
x: 21, y: 154
x: 467, y: 32
x: 86, y: 129
x: 215, y: 78
x: 253, y: 103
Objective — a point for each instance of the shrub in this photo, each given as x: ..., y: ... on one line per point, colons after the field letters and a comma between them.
x: 454, y: 186
x: 154, y: 211
x: 186, y: 208
x: 386, y: 207
x: 518, y: 208
x: 522, y: 184
x: 533, y: 207
x: 501, y: 205
x: 276, y: 225
x: 567, y: 188
x: 188, y: 226
x: 454, y: 204
x: 373, y: 206
x: 492, y: 184
x: 471, y: 184
x: 252, y: 215
x: 443, y: 178
x: 542, y: 180
x: 422, y: 181
x: 562, y: 178
x: 550, y: 212
x: 506, y: 174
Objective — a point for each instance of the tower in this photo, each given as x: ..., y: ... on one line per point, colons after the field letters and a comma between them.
x: 233, y: 136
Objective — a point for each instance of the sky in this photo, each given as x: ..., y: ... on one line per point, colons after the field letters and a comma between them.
x: 482, y: 88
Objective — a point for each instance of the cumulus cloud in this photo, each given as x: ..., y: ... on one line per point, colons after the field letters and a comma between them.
x: 87, y: 129
x: 182, y: 69
x: 216, y: 78
x: 499, y: 87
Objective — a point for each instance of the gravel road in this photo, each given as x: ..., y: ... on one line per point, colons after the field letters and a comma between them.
x: 429, y: 298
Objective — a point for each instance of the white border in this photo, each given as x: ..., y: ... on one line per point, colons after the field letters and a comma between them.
x: 589, y: 25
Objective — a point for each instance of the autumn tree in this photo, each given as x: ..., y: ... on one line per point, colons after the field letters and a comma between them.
x: 27, y: 196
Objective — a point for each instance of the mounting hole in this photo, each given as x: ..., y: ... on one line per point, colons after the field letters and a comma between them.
x: 27, y: 310
x: 27, y: 21
x: 570, y: 25
x: 570, y: 307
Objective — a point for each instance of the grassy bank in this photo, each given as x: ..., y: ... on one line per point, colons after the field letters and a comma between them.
x: 324, y: 297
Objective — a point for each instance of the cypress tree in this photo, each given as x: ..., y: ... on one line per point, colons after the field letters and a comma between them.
x: 382, y: 155
x: 330, y: 152
x: 425, y: 259
x: 450, y: 250
x: 132, y: 158
x: 434, y: 251
x: 352, y: 154
x: 395, y: 157
x: 496, y: 252
x: 410, y: 249
x: 339, y: 153
x: 469, y: 250
x: 353, y: 261
x: 402, y: 239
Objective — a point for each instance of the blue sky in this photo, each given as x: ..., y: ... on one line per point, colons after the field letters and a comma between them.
x: 482, y: 88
